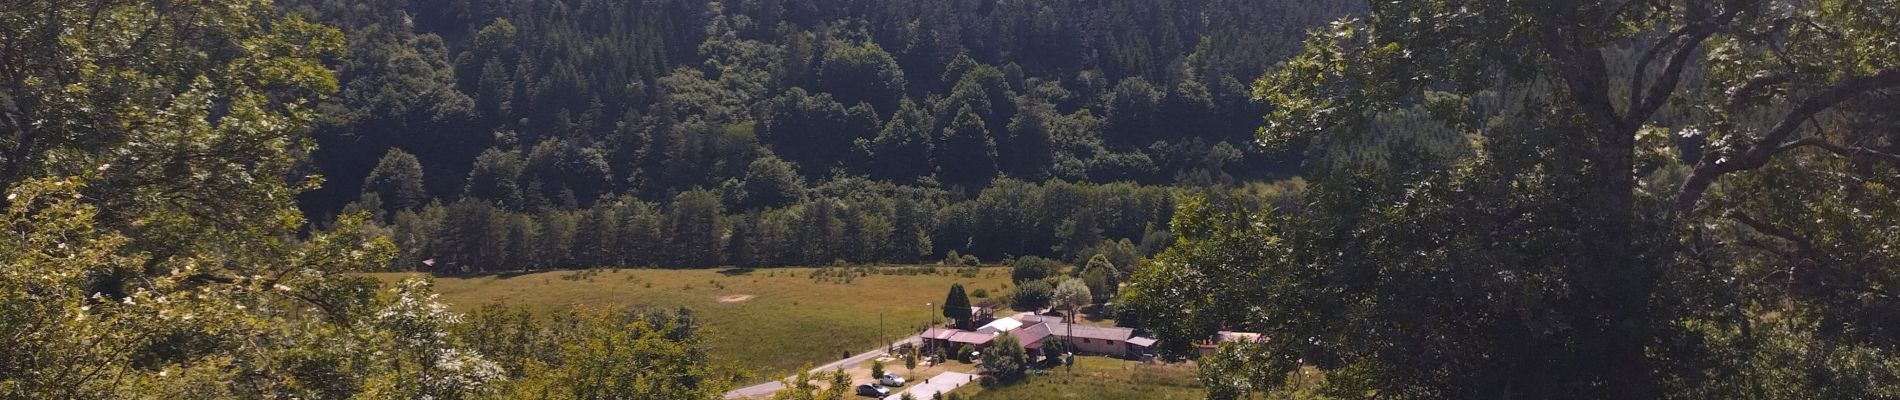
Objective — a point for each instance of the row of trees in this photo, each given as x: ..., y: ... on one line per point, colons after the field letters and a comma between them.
x: 847, y: 222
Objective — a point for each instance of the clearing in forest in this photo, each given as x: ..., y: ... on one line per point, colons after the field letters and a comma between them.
x: 768, y: 321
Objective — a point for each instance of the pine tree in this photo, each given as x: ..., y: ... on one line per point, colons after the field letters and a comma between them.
x: 956, y: 307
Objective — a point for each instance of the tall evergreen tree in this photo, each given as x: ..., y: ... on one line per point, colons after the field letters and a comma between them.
x: 902, y: 151
x: 956, y: 307
x: 693, y: 236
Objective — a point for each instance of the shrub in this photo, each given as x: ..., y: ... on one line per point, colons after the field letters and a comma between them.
x: 1032, y: 295
x: 980, y: 293
x: 1032, y: 268
x: 1006, y: 360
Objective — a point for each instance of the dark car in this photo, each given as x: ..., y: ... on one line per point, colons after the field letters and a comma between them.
x: 871, y: 390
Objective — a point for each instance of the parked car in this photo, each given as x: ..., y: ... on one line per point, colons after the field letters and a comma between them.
x: 873, y: 390
x: 891, y: 380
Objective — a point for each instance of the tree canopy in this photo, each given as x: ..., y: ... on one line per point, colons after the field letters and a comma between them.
x: 956, y: 306
x: 1602, y: 200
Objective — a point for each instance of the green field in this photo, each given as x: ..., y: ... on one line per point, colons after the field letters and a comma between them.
x: 791, y: 319
x: 1100, y: 378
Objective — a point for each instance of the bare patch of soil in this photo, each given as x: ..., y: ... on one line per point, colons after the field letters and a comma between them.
x: 735, y: 298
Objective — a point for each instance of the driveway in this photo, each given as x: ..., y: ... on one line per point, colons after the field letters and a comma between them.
x: 942, y: 383
x: 767, y: 389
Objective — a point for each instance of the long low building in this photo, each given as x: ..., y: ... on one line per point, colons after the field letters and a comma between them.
x: 1034, y: 331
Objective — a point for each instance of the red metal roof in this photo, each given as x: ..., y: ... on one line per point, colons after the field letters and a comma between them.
x: 967, y: 337
x: 1031, y: 336
x: 939, y: 333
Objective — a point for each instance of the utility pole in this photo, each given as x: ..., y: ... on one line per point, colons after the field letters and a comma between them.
x: 880, y: 332
x: 930, y: 322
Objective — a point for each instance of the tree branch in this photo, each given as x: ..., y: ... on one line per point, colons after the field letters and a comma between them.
x: 1840, y: 150
x: 1803, y: 247
x: 1772, y: 143
x: 1644, y: 105
x: 1740, y: 94
x: 1640, y: 74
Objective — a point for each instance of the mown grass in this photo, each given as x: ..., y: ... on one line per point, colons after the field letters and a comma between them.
x: 1099, y: 378
x: 792, y: 321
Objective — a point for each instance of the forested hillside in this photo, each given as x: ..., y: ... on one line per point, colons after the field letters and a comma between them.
x: 521, y: 134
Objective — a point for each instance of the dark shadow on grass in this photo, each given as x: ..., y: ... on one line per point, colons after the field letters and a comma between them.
x: 496, y: 275
x: 512, y: 274
x: 736, y: 271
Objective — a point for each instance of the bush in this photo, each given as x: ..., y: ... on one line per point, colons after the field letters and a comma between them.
x: 1032, y: 268
x: 1032, y: 295
x: 963, y: 354
x: 980, y: 293
x: 1006, y: 360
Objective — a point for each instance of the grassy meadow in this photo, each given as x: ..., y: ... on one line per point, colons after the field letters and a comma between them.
x: 770, y: 322
x: 1099, y: 378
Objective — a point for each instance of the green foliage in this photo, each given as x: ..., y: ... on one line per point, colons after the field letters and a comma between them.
x: 495, y: 178
x: 956, y: 306
x: 862, y: 73
x: 1053, y: 353
x: 1574, y: 249
x: 1005, y: 360
x: 815, y: 131
x: 967, y: 141
x: 1071, y: 295
x: 800, y: 387
x: 903, y: 149
x: 397, y: 181
x: 691, y: 228
x: 587, y: 354
x: 771, y: 183
x: 1032, y: 295
x: 550, y: 109
x: 1133, y: 111
x: 877, y: 369
x: 1032, y: 268
x: 1102, y: 278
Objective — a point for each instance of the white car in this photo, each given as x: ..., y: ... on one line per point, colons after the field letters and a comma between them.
x: 891, y: 380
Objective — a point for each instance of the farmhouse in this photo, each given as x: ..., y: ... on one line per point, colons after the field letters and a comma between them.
x: 1034, y: 331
